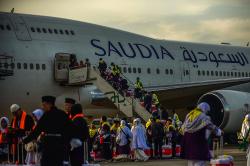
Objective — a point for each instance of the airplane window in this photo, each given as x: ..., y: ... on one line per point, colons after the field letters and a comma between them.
x: 148, y: 70
x: 44, y: 30
x: 2, y: 27
x: 124, y: 69
x: 171, y: 71
x: 72, y: 32
x: 12, y: 65
x: 19, y: 65
x: 31, y: 66
x: 67, y: 32
x: 166, y: 71
x: 239, y: 74
x: 187, y: 72
x: 158, y: 71
x: 212, y: 73
x: 43, y: 66
x: 25, y: 66
x: 203, y: 72
x: 134, y: 70
x: 199, y: 72
x: 224, y: 73
x: 50, y: 31
x: 129, y: 70
x: 37, y: 66
x: 38, y: 30
x: 139, y: 70
x: 8, y: 27
x: 232, y: 74
x: 207, y: 73
x: 243, y: 74
x: 246, y: 74
x: 216, y: 73
x: 235, y: 74
x: 220, y: 73
x: 228, y: 73
x: 55, y: 30
x: 61, y: 31
x: 32, y: 29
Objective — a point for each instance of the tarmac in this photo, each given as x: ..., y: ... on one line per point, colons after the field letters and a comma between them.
x: 238, y: 155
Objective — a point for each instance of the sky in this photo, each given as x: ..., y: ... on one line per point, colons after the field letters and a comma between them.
x: 205, y: 21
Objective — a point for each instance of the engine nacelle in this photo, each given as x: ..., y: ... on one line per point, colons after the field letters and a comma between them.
x: 86, y: 96
x: 228, y: 108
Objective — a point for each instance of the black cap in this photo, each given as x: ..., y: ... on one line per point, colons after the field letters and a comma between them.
x: 49, y: 99
x: 70, y: 100
x: 76, y: 109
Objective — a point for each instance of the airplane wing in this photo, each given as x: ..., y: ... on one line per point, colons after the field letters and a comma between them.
x: 187, y: 94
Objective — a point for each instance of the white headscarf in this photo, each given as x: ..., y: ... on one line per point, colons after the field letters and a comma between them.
x: 1, y: 119
x: 123, y: 123
x: 204, y: 107
x: 38, y: 113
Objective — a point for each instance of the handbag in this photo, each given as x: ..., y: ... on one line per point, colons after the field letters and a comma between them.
x: 127, y: 137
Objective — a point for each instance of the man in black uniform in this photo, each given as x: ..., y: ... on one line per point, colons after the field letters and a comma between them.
x: 80, y: 134
x: 55, y: 127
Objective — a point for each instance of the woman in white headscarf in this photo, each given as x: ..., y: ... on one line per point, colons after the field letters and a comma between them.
x: 245, y: 132
x: 123, y: 140
x: 139, y: 140
x: 4, y: 122
x: 195, y: 128
x: 32, y: 156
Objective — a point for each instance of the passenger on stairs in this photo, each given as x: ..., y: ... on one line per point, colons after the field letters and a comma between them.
x: 102, y: 67
x: 138, y: 89
x: 68, y: 103
x: 148, y: 101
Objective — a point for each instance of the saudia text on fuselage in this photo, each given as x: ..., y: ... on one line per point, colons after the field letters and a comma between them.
x: 132, y: 50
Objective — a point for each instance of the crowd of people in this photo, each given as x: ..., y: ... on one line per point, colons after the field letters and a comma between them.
x: 49, y: 131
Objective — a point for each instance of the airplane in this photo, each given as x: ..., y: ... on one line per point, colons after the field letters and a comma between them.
x: 182, y: 74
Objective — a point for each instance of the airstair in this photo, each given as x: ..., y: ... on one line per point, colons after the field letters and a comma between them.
x: 84, y: 75
x: 6, y: 68
x: 126, y: 104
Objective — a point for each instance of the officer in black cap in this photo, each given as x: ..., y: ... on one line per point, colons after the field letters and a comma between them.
x: 55, y: 127
x: 69, y: 102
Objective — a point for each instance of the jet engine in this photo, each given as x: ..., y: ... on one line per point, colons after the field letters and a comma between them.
x: 86, y: 96
x: 228, y: 108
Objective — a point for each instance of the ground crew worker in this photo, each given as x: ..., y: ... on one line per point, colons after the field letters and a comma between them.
x: 102, y: 67
x: 92, y: 136
x: 4, y: 122
x: 21, y: 123
x: 138, y: 88
x: 69, y: 102
x: 55, y: 126
x: 176, y: 119
x: 80, y: 134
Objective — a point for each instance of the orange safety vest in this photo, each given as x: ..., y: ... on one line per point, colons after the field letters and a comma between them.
x: 2, y: 140
x: 22, y: 121
x: 77, y: 116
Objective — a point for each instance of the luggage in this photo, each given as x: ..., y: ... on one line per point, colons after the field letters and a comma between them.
x: 149, y: 152
x: 178, y: 150
x: 166, y: 151
x: 220, y: 159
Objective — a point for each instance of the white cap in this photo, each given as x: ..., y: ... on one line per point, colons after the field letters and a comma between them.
x: 14, y: 108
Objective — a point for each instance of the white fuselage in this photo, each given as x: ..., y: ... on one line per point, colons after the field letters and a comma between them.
x: 33, y: 40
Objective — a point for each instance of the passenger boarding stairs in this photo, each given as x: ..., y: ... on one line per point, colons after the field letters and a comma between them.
x: 81, y: 75
x: 6, y: 66
x: 126, y: 104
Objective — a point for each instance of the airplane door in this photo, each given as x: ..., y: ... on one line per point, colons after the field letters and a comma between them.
x: 20, y: 28
x: 185, y: 72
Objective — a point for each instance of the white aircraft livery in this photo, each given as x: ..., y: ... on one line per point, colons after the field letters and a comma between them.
x: 181, y: 73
